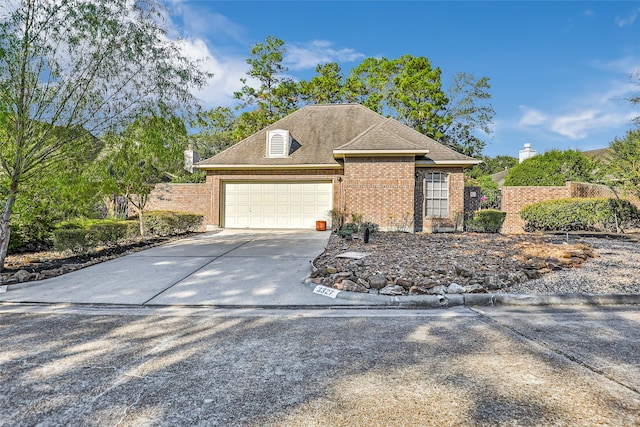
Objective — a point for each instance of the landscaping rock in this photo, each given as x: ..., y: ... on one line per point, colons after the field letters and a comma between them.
x: 495, y: 262
x: 438, y: 290
x: 493, y: 283
x: 377, y: 281
x: 461, y: 271
x: 419, y: 290
x: 348, y: 285
x: 393, y: 290
x: 22, y: 276
x: 454, y: 288
x: 474, y: 289
x: 406, y: 284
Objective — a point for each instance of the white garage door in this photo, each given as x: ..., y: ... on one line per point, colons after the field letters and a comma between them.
x: 276, y: 204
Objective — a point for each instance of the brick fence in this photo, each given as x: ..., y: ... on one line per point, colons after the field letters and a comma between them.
x: 516, y: 198
x: 194, y: 198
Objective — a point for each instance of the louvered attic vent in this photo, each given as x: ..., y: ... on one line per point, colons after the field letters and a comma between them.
x: 278, y: 143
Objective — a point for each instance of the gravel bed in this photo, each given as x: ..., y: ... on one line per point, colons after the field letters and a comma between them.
x: 616, y: 270
x: 526, y: 264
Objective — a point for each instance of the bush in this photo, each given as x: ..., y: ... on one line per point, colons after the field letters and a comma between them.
x: 348, y: 229
x: 486, y: 221
x: 372, y: 226
x: 554, y: 168
x: 169, y: 223
x: 73, y: 239
x: 352, y: 227
x: 580, y: 214
x: 79, y: 236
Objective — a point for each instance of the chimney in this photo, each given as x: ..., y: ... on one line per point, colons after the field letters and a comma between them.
x: 190, y: 158
x: 527, y: 153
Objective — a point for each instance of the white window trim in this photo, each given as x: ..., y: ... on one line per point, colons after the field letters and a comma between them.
x: 444, y: 187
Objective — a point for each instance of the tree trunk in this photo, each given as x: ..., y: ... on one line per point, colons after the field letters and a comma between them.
x: 5, y: 231
x: 141, y: 220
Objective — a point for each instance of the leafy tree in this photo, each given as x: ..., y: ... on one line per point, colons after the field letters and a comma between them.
x: 408, y: 89
x: 468, y: 111
x: 624, y: 161
x: 275, y: 97
x: 140, y: 156
x: 216, y: 131
x: 326, y: 87
x: 554, y: 168
x: 491, y: 165
x: 636, y: 99
x: 368, y: 84
x: 416, y: 97
x: 81, y: 64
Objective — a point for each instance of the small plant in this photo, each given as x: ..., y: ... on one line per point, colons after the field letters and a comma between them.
x: 486, y: 221
x: 356, y: 218
x: 337, y: 218
x: 404, y: 223
x: 348, y: 229
x: 372, y: 226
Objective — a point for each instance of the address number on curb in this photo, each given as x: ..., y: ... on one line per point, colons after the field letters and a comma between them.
x: 326, y: 291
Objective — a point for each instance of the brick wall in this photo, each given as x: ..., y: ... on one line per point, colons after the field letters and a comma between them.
x: 381, y: 189
x: 456, y: 196
x: 582, y: 189
x: 516, y: 198
x: 195, y: 198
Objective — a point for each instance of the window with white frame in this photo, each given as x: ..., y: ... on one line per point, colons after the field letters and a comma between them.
x: 437, y: 195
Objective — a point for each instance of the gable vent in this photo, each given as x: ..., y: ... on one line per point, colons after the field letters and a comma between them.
x: 278, y: 143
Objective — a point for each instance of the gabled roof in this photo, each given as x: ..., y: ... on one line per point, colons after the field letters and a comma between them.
x: 378, y: 139
x: 321, y: 133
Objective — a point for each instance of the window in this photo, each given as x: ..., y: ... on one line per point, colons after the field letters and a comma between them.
x: 437, y: 195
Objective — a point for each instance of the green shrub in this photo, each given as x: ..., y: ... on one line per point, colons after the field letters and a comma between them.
x: 80, y: 235
x: 169, y: 223
x: 580, y: 214
x: 72, y: 239
x: 486, y: 221
x: 554, y: 168
x: 107, y: 233
x: 372, y: 226
x: 348, y: 229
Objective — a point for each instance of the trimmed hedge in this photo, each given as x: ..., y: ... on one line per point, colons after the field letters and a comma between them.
x: 486, y: 221
x: 169, y: 223
x: 80, y: 236
x: 598, y: 214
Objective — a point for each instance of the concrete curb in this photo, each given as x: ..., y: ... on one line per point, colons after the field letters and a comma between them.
x: 453, y: 300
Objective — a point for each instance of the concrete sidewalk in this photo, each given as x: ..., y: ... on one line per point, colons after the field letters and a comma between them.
x: 226, y: 268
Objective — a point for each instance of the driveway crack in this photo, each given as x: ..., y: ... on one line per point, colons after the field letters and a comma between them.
x: 195, y: 271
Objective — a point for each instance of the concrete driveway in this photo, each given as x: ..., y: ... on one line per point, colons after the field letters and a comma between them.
x: 227, y: 268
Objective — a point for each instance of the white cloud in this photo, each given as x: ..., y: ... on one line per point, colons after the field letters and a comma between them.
x: 531, y: 117
x: 628, y: 20
x: 301, y: 56
x: 578, y: 125
x: 227, y: 72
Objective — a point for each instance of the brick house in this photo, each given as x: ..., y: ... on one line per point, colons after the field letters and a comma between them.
x: 344, y: 158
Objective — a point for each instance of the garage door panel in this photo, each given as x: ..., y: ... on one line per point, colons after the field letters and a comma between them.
x: 276, y: 204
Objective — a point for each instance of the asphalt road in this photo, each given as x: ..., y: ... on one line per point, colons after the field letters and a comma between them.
x: 66, y: 365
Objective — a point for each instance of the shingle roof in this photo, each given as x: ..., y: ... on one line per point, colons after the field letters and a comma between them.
x: 318, y: 130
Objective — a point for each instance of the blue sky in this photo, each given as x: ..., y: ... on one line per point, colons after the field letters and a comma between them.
x: 559, y: 70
